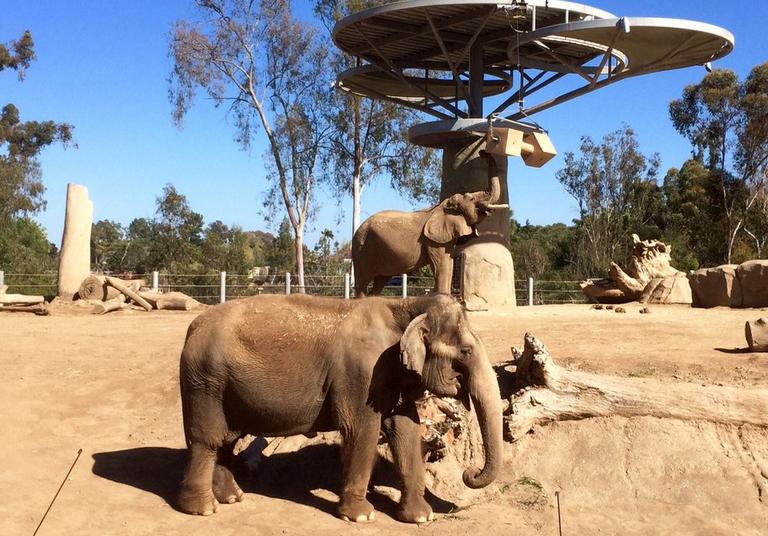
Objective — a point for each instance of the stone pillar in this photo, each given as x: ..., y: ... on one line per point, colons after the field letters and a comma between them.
x: 489, y: 275
x: 75, y: 256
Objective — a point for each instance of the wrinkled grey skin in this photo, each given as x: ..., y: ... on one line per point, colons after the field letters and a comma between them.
x: 391, y: 243
x: 283, y: 365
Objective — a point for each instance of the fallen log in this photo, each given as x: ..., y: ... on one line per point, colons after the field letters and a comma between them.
x: 20, y: 299
x: 108, y: 306
x: 547, y: 393
x: 129, y: 293
x: 95, y: 287
x: 39, y: 310
x: 176, y: 301
x: 756, y: 333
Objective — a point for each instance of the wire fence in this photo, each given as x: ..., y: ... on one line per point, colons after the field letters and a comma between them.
x: 213, y: 288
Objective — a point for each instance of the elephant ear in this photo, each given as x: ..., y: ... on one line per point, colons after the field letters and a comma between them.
x: 442, y: 227
x: 413, y: 350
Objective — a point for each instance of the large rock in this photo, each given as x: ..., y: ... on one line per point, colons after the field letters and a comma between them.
x: 753, y: 279
x: 488, y: 277
x: 716, y: 287
x: 674, y: 289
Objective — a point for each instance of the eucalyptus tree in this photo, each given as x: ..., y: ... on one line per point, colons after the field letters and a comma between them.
x: 272, y: 71
x: 369, y: 137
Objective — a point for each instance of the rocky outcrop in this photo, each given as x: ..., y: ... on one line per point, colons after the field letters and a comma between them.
x: 716, y: 287
x: 753, y: 279
x: 649, y: 278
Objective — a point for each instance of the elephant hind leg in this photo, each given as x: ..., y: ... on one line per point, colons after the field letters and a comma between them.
x: 225, y: 488
x: 196, y: 494
x: 379, y: 282
x: 358, y: 455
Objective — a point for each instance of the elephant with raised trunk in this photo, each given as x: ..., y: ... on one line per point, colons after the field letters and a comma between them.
x: 391, y: 242
x: 284, y: 365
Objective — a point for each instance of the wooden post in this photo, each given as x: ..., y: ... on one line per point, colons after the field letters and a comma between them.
x: 223, y: 287
x: 287, y: 283
x: 346, y: 286
x: 75, y: 257
x: 530, y: 291
x: 405, y: 285
x: 2, y: 278
x: 155, y: 281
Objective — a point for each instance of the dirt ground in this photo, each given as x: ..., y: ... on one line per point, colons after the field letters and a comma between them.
x: 109, y: 385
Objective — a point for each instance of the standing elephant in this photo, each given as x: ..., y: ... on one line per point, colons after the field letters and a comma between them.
x: 284, y: 365
x: 391, y: 243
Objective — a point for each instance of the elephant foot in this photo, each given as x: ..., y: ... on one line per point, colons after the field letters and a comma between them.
x: 415, y: 510
x: 202, y: 504
x: 225, y: 489
x: 356, y: 510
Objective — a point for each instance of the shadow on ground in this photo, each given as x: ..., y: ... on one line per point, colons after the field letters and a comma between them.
x: 292, y: 476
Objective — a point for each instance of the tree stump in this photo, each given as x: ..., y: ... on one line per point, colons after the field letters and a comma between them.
x: 757, y: 334
x: 75, y: 257
x: 115, y: 304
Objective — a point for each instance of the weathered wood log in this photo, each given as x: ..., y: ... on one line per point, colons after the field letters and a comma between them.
x: 20, y: 299
x: 39, y: 310
x: 129, y: 293
x: 547, y: 393
x: 95, y: 287
x: 108, y: 306
x: 174, y: 301
x: 757, y: 334
x: 75, y: 257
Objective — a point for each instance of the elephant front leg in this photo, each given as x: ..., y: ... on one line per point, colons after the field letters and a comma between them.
x: 358, y: 457
x: 442, y: 268
x: 405, y: 442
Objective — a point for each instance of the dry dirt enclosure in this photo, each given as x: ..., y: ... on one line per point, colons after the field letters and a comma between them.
x: 109, y: 385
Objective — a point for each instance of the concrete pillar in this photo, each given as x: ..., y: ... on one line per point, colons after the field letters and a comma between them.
x: 75, y: 256
x: 489, y: 273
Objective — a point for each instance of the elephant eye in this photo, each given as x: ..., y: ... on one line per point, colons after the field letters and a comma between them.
x: 466, y: 351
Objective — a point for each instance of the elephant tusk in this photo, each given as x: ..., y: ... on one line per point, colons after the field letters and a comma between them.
x: 492, y: 207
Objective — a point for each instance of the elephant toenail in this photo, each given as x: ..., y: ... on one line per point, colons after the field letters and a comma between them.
x: 208, y: 513
x: 361, y: 518
x: 421, y: 519
x: 431, y: 516
x: 371, y: 516
x: 231, y: 500
x: 344, y: 518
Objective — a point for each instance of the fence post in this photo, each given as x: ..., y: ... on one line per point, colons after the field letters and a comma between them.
x: 223, y: 287
x: 346, y: 286
x: 2, y: 278
x: 530, y: 291
x: 287, y: 283
x: 155, y: 281
x: 405, y: 285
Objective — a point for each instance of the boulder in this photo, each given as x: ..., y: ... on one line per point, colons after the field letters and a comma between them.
x: 753, y: 280
x: 713, y: 287
x: 675, y: 289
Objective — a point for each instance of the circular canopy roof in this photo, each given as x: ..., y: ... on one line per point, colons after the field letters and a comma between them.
x: 420, y: 53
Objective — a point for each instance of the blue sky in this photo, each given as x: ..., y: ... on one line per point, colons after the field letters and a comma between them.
x: 102, y: 66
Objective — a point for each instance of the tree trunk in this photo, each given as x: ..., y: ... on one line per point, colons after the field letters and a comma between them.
x: 75, y: 256
x: 20, y: 299
x: 115, y: 304
x: 545, y: 392
x: 299, y: 250
x: 129, y: 293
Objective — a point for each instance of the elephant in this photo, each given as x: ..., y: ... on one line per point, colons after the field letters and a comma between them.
x: 391, y: 243
x: 297, y: 364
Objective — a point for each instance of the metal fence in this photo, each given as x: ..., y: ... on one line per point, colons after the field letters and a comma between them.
x: 218, y: 287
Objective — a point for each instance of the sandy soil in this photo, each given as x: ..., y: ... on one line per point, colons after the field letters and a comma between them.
x: 109, y: 385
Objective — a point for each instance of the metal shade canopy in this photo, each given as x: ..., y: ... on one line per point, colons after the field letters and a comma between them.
x: 463, y: 49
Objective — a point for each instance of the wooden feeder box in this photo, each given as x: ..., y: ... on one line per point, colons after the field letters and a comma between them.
x: 535, y: 148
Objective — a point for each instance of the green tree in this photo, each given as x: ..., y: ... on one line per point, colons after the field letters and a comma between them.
x: 178, y: 232
x: 726, y: 122
x: 21, y: 188
x: 108, y: 246
x: 272, y: 70
x: 369, y: 137
x: 226, y: 248
x: 615, y: 187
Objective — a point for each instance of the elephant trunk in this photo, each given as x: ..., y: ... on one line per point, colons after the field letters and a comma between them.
x: 494, y: 188
x: 483, y: 387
